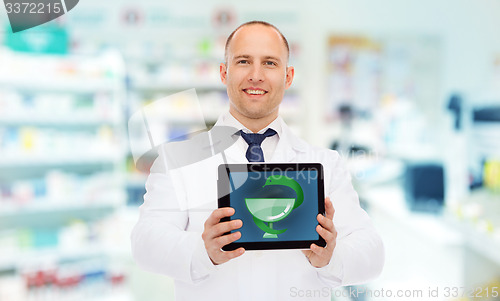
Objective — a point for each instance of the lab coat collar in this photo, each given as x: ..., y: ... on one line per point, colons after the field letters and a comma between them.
x: 286, y: 150
x: 288, y: 146
x: 229, y: 120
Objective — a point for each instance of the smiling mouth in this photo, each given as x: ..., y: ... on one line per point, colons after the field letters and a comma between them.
x: 254, y: 91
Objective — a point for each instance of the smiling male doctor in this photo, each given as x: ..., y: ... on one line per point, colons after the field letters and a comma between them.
x: 179, y: 233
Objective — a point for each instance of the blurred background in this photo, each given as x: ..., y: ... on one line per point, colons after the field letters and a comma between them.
x: 407, y: 91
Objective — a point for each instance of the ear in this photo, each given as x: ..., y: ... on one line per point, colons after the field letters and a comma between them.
x: 290, y: 73
x: 223, y: 73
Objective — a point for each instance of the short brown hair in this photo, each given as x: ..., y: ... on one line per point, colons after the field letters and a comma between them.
x: 252, y: 23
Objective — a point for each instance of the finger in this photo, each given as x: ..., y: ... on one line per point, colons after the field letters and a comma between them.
x: 329, y: 210
x: 224, y: 256
x: 214, y: 219
x: 328, y: 236
x: 217, y: 214
x: 317, y: 250
x: 223, y: 240
x: 213, y: 231
x: 224, y: 227
x: 326, y: 222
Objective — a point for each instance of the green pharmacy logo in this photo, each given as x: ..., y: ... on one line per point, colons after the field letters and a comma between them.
x: 271, y: 210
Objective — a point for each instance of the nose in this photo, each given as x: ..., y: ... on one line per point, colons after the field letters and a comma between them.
x: 256, y: 74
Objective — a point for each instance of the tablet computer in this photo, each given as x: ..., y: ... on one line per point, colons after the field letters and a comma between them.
x: 277, y: 202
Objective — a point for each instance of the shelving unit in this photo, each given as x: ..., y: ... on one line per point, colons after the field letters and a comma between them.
x: 45, y: 216
x: 476, y: 217
x: 460, y: 246
x: 63, y: 148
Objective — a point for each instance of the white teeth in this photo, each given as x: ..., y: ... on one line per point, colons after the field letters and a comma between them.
x: 255, y: 92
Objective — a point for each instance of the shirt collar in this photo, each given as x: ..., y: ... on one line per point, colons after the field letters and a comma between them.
x: 229, y: 120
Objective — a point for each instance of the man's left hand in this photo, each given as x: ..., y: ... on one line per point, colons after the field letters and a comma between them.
x: 319, y: 256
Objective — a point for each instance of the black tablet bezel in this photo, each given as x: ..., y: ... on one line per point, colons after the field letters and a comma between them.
x: 224, y: 200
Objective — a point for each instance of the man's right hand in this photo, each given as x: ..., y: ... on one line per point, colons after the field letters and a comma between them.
x: 214, y: 237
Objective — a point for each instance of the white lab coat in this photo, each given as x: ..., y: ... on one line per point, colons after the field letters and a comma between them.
x: 167, y: 238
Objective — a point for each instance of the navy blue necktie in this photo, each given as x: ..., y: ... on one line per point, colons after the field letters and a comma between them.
x: 254, y: 151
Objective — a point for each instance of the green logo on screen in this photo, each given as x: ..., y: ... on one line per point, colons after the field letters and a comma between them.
x: 272, y: 210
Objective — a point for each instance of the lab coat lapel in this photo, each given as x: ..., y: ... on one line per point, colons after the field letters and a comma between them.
x: 232, y: 154
x: 289, y: 146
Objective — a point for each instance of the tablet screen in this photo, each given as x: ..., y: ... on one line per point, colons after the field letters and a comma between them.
x: 276, y: 202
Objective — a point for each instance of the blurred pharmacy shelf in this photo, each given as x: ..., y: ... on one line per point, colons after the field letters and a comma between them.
x: 476, y: 216
x: 479, y: 240
x: 390, y: 199
x: 30, y: 258
x: 459, y: 246
x: 430, y: 250
x: 91, y: 279
x: 55, y: 160
x: 53, y: 214
x: 37, y: 84
x: 48, y: 120
x: 63, y: 146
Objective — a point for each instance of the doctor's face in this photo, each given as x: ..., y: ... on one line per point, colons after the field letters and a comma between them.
x: 256, y: 73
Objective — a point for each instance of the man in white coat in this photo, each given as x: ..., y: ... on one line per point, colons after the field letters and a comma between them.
x: 179, y: 232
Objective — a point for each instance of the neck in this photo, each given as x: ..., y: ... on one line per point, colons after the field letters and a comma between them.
x: 254, y: 125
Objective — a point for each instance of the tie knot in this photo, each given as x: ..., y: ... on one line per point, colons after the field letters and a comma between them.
x: 256, y: 139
